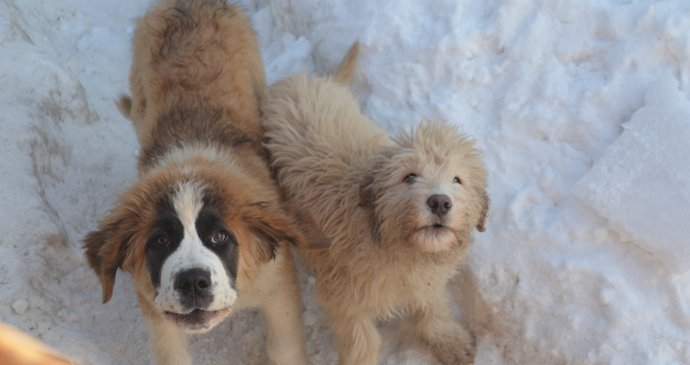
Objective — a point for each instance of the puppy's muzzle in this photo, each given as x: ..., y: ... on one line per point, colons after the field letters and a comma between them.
x: 194, y: 288
x: 439, y: 204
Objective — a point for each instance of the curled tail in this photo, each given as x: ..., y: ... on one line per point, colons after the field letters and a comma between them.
x: 346, y: 70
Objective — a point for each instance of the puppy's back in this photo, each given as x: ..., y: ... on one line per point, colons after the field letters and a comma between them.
x: 308, y: 117
x: 195, y: 59
x: 320, y: 142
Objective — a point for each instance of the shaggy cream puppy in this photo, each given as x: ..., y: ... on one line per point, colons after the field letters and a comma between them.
x: 389, y: 218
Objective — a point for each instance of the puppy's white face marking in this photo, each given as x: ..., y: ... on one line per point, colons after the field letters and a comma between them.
x: 192, y: 254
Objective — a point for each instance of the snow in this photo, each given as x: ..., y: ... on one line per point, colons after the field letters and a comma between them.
x: 551, y: 90
x: 649, y: 199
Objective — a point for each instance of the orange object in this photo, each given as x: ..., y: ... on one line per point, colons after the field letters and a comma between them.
x: 18, y: 348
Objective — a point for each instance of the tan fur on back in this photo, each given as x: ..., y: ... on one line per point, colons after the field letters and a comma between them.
x: 344, y: 175
x: 184, y: 72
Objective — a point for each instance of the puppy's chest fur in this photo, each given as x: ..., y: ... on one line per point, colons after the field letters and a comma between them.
x: 401, y: 287
x: 423, y: 273
x: 375, y: 280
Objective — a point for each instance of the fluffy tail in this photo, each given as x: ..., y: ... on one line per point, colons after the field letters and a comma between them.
x: 346, y: 70
x: 124, y: 104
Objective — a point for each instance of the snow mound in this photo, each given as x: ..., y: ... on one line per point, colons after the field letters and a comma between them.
x: 642, y: 182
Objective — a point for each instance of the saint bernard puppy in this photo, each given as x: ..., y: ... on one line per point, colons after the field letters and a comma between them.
x: 202, y: 231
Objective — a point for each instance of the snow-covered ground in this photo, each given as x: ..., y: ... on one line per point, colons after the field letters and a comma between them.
x: 581, y: 107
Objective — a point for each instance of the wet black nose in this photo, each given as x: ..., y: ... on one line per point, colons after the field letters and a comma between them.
x: 194, y: 283
x: 439, y: 204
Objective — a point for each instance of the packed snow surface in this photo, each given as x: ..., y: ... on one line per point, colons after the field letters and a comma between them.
x: 581, y: 108
x: 652, y: 157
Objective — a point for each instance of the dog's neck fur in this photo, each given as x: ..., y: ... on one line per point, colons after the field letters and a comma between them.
x: 402, y: 251
x: 188, y: 156
x: 182, y: 130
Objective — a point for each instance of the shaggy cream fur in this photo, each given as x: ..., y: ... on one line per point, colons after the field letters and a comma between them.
x: 389, y: 217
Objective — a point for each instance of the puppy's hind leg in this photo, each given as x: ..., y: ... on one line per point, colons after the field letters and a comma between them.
x: 450, y: 341
x: 357, y: 338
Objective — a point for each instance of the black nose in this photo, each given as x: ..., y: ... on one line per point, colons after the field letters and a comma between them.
x: 194, y: 283
x: 440, y: 204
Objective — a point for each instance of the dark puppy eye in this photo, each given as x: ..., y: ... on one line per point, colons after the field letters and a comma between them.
x: 457, y: 180
x: 410, y: 178
x: 162, y: 241
x: 218, y: 238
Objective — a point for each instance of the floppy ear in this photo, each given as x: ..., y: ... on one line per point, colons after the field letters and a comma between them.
x: 485, y: 211
x: 366, y: 191
x: 271, y: 227
x: 105, y: 248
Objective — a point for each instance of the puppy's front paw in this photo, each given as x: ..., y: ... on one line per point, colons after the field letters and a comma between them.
x: 461, y: 354
x: 457, y: 347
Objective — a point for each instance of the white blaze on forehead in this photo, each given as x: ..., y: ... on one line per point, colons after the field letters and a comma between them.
x: 188, y: 201
x: 192, y: 254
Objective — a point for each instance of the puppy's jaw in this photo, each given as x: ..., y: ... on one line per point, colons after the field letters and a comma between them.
x: 198, y: 321
x: 432, y: 233
x: 434, y: 239
x: 192, y: 254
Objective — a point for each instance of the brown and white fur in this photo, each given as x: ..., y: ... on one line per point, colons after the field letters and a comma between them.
x: 389, y: 218
x: 202, y: 231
